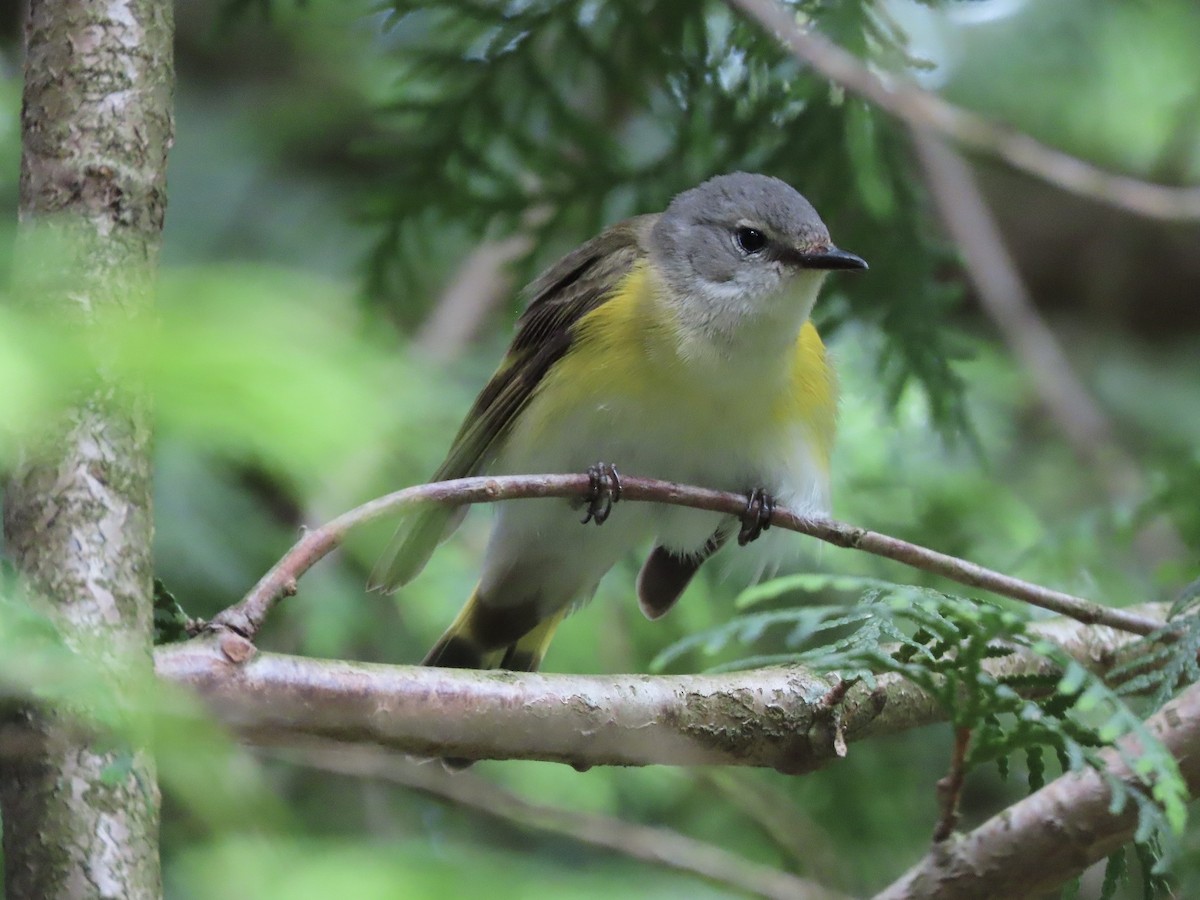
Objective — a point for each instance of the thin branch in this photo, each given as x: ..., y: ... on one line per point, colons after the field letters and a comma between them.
x: 658, y: 846
x: 949, y: 787
x: 774, y: 718
x: 921, y: 109
x: 1051, y: 836
x: 246, y: 617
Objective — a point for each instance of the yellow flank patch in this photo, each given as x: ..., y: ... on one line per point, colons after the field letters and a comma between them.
x: 813, y: 394
x: 629, y: 350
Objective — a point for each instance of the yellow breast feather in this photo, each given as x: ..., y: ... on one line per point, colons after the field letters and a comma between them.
x: 812, y: 398
x: 626, y: 355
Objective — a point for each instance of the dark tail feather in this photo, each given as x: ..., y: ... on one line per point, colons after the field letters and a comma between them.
x: 665, y: 575
x: 489, y: 637
x: 456, y: 651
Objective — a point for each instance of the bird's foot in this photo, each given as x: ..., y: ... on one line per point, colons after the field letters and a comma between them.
x: 603, y: 492
x: 757, y: 517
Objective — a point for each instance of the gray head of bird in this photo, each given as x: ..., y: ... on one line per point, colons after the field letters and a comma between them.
x: 742, y: 248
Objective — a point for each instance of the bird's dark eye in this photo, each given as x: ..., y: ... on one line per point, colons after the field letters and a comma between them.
x: 750, y: 240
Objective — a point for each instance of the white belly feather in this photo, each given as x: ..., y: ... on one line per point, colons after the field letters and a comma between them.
x: 726, y: 444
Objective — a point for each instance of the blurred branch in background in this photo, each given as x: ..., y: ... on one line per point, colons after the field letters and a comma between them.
x: 776, y: 717
x: 246, y: 617
x: 924, y: 110
x: 1003, y: 295
x: 790, y: 830
x: 481, y: 283
x: 1051, y: 836
x: 658, y: 846
x: 478, y: 287
x: 1008, y: 304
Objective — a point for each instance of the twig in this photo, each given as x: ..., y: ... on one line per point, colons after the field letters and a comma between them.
x: 949, y: 787
x: 921, y: 109
x: 658, y: 846
x: 1051, y: 836
x: 771, y: 718
x: 247, y: 616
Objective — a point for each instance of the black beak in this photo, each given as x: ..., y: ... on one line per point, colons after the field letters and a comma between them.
x: 829, y: 258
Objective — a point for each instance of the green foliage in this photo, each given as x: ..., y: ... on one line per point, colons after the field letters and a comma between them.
x: 1154, y: 877
x: 170, y: 621
x: 308, y: 869
x: 943, y: 644
x: 1077, y: 62
x: 1115, y: 872
x: 1175, y: 483
x: 1159, y: 664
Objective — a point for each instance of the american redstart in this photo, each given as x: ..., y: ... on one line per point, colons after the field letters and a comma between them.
x: 674, y: 346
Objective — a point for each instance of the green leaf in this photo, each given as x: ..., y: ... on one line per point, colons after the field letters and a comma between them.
x: 170, y: 621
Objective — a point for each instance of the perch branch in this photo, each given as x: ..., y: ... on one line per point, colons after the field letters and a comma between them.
x: 774, y: 718
x: 924, y: 110
x: 246, y: 617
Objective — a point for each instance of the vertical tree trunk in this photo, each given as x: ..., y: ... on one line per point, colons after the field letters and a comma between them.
x: 79, y: 820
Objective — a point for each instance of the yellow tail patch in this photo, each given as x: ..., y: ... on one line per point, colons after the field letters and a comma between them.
x: 471, y: 640
x: 526, y: 655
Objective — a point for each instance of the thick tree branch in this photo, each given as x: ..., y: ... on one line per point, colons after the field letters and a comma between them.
x: 921, y: 109
x: 1050, y: 837
x: 81, y: 816
x: 246, y: 617
x: 658, y: 846
x: 774, y: 717
x: 762, y: 718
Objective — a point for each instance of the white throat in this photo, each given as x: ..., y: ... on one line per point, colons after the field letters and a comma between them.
x: 727, y: 324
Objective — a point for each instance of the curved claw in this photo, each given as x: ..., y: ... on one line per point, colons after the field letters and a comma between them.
x: 757, y: 518
x: 604, y: 490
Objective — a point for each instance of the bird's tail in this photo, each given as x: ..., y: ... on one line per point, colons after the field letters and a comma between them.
x: 485, y: 636
x: 417, y: 536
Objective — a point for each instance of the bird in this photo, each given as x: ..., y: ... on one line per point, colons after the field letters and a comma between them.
x: 676, y: 345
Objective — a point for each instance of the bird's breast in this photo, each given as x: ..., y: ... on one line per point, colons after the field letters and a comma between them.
x: 633, y: 390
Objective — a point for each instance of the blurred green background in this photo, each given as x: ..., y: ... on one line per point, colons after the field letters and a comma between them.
x: 338, y: 165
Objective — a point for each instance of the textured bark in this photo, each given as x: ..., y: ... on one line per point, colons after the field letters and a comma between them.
x: 783, y: 718
x: 1035, y: 846
x: 82, y: 820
